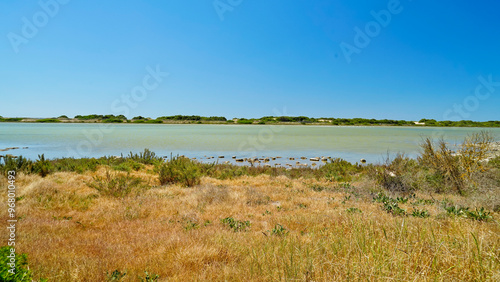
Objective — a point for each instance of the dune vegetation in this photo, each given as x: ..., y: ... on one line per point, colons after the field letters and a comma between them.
x: 143, y: 218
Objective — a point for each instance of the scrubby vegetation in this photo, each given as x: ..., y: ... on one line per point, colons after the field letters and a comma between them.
x: 430, y: 218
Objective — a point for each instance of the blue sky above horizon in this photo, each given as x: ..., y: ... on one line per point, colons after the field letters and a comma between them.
x: 256, y: 58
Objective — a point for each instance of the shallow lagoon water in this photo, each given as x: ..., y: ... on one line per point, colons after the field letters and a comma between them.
x: 201, y: 141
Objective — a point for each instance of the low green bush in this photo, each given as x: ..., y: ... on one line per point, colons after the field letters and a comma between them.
x: 42, y: 166
x: 117, y: 185
x: 18, y: 164
x: 339, y: 170
x: 146, y: 157
x: 180, y: 170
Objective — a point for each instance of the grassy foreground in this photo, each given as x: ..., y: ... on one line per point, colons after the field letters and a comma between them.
x: 140, y: 218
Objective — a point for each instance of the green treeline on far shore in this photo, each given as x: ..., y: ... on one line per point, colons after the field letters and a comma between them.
x: 263, y: 120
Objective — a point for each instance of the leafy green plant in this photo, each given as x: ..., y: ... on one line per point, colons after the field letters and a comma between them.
x: 354, y: 210
x: 346, y: 198
x: 402, y: 200
x: 423, y: 202
x: 190, y: 225
x: 456, y: 210
x: 479, y: 214
x: 150, y: 277
x: 279, y: 230
x: 381, y: 198
x: 392, y: 207
x: 20, y: 272
x: 115, y: 275
x: 420, y: 213
x: 236, y: 225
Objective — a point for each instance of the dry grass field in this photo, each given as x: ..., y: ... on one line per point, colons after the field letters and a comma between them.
x: 297, y: 230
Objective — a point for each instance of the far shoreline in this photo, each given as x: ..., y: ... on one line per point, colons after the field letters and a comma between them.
x: 305, y: 121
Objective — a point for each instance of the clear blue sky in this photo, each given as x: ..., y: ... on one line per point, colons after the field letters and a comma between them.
x: 254, y: 59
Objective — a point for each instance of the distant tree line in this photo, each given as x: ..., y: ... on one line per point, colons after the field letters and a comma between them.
x: 269, y: 120
x: 192, y: 118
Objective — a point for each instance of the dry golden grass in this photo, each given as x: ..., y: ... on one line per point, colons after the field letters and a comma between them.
x: 72, y: 233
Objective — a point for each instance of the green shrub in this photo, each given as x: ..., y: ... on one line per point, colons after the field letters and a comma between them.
x: 117, y: 185
x: 154, y: 121
x: 112, y: 120
x: 146, y: 157
x: 77, y: 165
x: 180, y: 170
x: 397, y: 175
x: 339, y: 170
x: 21, y: 271
x: 494, y: 162
x: 18, y: 164
x: 457, y: 170
x: 128, y: 166
x: 42, y: 166
x: 245, y: 121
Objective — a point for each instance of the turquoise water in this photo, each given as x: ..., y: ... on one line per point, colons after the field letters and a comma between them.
x: 203, y: 141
